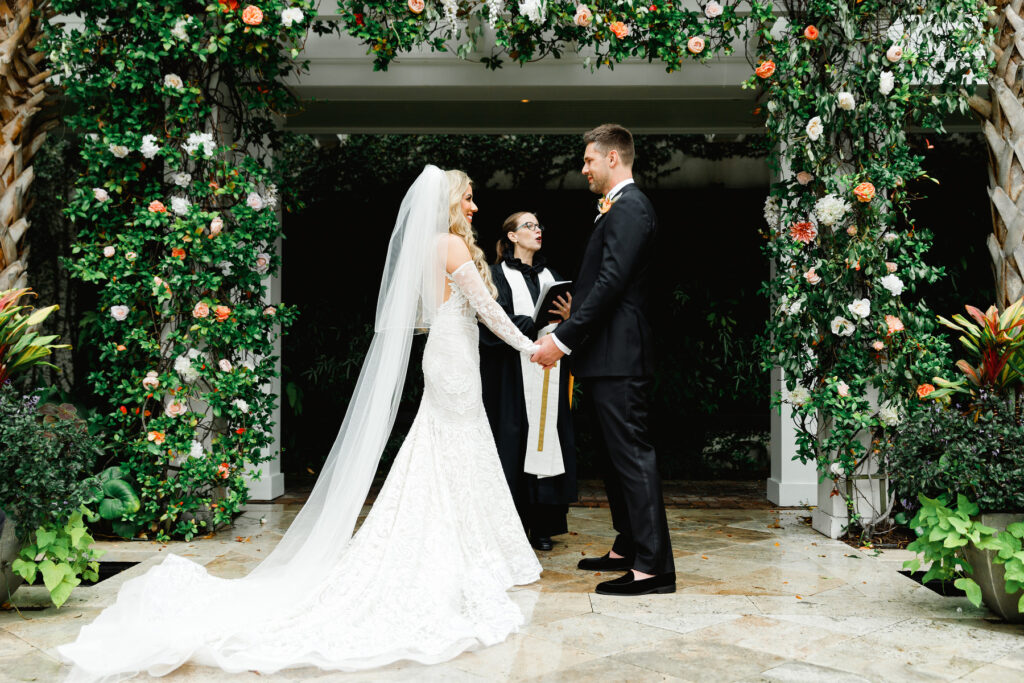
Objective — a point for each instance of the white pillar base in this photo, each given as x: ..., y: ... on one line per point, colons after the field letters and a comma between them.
x: 270, y: 484
x: 791, y: 494
x: 831, y: 517
x: 792, y: 482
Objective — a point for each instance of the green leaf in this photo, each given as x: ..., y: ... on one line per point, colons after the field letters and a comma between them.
x: 972, y: 589
x: 26, y: 569
x: 44, y: 538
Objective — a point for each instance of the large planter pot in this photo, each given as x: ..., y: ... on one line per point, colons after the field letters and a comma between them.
x: 9, y: 549
x: 989, y: 575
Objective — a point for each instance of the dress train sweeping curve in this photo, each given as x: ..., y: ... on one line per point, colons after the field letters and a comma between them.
x: 424, y: 578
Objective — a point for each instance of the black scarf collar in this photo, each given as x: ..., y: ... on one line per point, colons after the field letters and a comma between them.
x: 539, y: 264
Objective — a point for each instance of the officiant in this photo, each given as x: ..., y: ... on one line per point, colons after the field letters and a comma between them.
x: 528, y: 408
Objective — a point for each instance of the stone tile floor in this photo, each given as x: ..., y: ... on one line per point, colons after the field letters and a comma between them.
x: 761, y: 597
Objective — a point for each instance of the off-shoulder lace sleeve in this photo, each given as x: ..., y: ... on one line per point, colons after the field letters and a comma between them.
x: 468, y: 280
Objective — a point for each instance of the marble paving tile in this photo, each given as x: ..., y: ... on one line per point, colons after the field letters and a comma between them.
x: 764, y: 634
x: 992, y: 672
x: 12, y: 646
x: 770, y: 581
x: 956, y: 636
x: 231, y: 565
x: 596, y: 633
x: 521, y: 656
x: 30, y: 666
x: 672, y: 604
x: 699, y: 660
x: 1014, y: 660
x: 879, y: 661
x: 803, y: 672
x: 543, y: 608
x: 46, y: 630
x: 603, y: 669
x: 697, y: 543
x: 852, y: 626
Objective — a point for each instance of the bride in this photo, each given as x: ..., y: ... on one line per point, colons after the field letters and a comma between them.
x: 426, y: 576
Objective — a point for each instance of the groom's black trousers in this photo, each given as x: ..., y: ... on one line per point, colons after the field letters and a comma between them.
x: 620, y: 406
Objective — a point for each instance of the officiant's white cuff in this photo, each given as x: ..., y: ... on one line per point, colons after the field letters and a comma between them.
x: 561, y: 347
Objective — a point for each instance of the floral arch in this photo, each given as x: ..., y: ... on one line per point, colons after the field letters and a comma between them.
x: 179, y: 106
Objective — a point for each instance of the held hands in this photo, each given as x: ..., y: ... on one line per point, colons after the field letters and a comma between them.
x: 548, y: 354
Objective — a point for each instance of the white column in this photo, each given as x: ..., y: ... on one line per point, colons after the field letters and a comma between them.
x: 270, y: 484
x: 791, y: 482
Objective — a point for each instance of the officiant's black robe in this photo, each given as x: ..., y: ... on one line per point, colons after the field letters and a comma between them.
x: 542, y: 502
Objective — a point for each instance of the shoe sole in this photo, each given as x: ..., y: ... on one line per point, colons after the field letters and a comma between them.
x: 659, y: 589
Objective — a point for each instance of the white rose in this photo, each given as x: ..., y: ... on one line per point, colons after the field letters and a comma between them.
x: 179, y: 29
x: 799, y: 396
x: 886, y: 82
x: 181, y: 179
x: 532, y: 10
x: 255, y: 201
x: 893, y: 283
x: 772, y: 212
x: 224, y: 364
x: 196, y: 450
x: 712, y: 10
x: 860, y: 308
x: 889, y: 415
x: 119, y: 312
x: 241, y: 405
x: 815, y: 128
x: 894, y: 53
x: 197, y: 140
x: 836, y: 468
x: 842, y: 327
x: 173, y: 81
x: 843, y: 388
x: 292, y: 15
x: 846, y: 101
x: 180, y: 205
x: 99, y: 194
x: 149, y: 147
x: 795, y: 308
x: 119, y: 151
x: 108, y: 251
x: 889, y: 237
x: 830, y: 210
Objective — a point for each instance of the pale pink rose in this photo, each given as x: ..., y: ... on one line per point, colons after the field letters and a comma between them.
x: 269, y: 310
x: 890, y: 266
x: 201, y: 310
x: 262, y: 263
x: 894, y: 53
x: 812, y: 277
x: 583, y: 16
x: 878, y: 345
x: 803, y: 177
x: 108, y: 251
x: 151, y: 381
x: 99, y: 194
x: 695, y: 45
x: 131, y: 255
x: 852, y: 230
x: 216, y: 225
x: 894, y: 324
x: 843, y: 388
x: 416, y: 6
x: 224, y: 364
x: 175, y: 409
x: 255, y: 201
x: 119, y: 312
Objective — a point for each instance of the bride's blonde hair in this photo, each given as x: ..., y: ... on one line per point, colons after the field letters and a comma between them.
x: 458, y: 183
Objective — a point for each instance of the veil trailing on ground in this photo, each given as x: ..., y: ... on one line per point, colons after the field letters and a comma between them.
x: 176, y: 610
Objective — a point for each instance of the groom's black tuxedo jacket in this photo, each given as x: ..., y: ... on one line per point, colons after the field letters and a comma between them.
x: 608, y: 332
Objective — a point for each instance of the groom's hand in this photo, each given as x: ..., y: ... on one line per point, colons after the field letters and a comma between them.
x: 548, y: 355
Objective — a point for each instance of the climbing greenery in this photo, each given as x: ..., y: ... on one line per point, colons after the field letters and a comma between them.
x: 177, y: 224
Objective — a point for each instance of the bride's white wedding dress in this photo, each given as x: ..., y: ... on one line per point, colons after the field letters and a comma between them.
x: 424, y: 579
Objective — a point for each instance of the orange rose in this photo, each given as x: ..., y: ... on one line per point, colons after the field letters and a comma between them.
x: 157, y: 206
x: 121, y: 347
x: 178, y: 252
x: 156, y: 437
x: 619, y: 29
x: 222, y: 313
x: 765, y: 69
x: 924, y: 389
x: 229, y: 5
x: 894, y: 324
x: 252, y: 15
x: 811, y: 32
x: 865, y: 192
x: 416, y: 6
x: 224, y: 470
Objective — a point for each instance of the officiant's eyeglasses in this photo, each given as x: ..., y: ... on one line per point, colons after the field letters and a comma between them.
x: 531, y: 226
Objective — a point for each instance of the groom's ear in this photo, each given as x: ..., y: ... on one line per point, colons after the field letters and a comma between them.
x: 613, y: 158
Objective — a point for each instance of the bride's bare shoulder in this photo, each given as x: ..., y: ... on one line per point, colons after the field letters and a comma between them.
x: 457, y: 251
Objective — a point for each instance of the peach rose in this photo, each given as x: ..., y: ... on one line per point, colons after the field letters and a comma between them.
x: 269, y: 310
x: 156, y: 206
x: 156, y: 437
x: 216, y: 225
x: 852, y: 230
x: 121, y: 347
x: 811, y: 32
x: 151, y: 381
x: 812, y: 277
x: 890, y: 266
x: 175, y: 409
x: 894, y: 53
x: 865, y: 192
x: 108, y: 251
x: 224, y: 470
x: 583, y: 16
x: 695, y: 45
x: 894, y: 324
x: 924, y: 389
x: 804, y: 178
x: 878, y: 345
x: 803, y: 231
x: 201, y: 310
x: 222, y: 313
x: 416, y: 6
x: 765, y: 69
x: 252, y: 15
x: 619, y: 29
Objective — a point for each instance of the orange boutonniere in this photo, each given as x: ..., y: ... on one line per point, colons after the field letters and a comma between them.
x: 604, y: 204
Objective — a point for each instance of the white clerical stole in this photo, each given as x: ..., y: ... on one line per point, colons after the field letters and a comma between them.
x: 540, y: 388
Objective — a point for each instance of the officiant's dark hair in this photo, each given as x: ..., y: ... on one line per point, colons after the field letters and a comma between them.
x: 611, y: 136
x: 505, y: 245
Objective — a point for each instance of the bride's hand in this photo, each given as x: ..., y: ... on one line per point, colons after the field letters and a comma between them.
x: 562, y: 306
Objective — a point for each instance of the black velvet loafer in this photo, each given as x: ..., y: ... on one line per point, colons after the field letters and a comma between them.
x: 541, y: 542
x: 605, y: 563
x: 629, y: 585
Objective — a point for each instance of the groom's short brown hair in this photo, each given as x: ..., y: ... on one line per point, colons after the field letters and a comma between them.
x: 611, y: 136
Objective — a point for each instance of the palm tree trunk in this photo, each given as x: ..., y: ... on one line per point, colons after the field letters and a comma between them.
x: 26, y: 114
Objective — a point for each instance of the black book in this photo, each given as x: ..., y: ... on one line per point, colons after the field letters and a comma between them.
x: 546, y: 301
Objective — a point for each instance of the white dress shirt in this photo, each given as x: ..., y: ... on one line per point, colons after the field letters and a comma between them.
x: 611, y: 195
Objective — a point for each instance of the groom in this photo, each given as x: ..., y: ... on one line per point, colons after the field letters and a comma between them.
x: 609, y: 340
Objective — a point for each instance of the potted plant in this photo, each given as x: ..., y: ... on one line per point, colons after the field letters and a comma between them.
x: 961, y: 456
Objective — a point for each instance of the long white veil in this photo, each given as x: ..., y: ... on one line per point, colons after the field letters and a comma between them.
x: 177, y: 611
